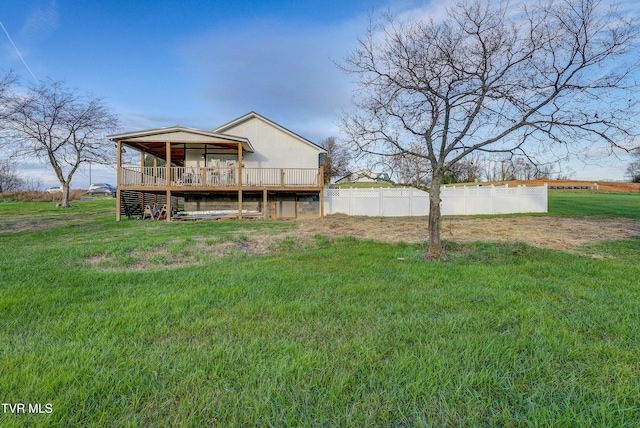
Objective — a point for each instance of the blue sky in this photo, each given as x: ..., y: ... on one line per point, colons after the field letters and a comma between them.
x: 201, y: 63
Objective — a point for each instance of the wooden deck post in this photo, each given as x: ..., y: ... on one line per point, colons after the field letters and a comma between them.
x: 168, y: 204
x: 239, y: 180
x: 264, y: 204
x: 168, y: 171
x: 118, y: 178
x: 142, y: 154
x: 321, y: 178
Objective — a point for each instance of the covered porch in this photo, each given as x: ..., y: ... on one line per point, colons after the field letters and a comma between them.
x: 186, y: 161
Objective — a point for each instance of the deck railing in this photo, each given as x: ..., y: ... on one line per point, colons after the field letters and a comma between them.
x: 147, y: 176
x: 219, y: 177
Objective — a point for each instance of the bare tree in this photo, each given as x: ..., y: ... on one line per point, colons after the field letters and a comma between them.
x: 10, y: 180
x: 7, y: 85
x: 336, y: 161
x: 501, y: 167
x: 32, y: 184
x: 633, y: 169
x: 497, y: 168
x: 491, y: 78
x: 56, y: 125
x: 566, y: 173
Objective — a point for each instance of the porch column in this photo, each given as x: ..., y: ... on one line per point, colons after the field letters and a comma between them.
x: 142, y: 167
x: 239, y: 180
x: 142, y: 154
x: 167, y: 165
x: 155, y: 171
x: 168, y: 172
x: 119, y: 178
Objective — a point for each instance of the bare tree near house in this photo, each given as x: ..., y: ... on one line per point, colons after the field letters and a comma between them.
x: 336, y: 161
x: 58, y: 126
x: 537, y: 81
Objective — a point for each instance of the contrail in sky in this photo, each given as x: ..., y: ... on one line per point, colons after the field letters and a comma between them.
x: 18, y: 52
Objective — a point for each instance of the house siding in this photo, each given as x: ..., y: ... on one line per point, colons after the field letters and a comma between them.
x: 273, y: 147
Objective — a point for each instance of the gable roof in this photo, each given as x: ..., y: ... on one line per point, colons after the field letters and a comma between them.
x: 184, y: 134
x: 253, y: 115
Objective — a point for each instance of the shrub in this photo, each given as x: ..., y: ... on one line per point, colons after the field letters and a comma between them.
x: 36, y: 196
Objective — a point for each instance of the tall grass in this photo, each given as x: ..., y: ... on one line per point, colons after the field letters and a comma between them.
x: 344, y: 332
x: 37, y: 196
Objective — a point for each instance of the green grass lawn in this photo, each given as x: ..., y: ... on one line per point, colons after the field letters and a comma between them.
x: 147, y: 324
x: 587, y: 203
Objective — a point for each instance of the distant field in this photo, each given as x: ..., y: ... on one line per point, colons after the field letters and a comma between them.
x: 603, y: 186
x: 250, y: 323
x: 606, y: 186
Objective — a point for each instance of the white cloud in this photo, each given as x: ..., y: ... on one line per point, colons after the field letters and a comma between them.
x: 41, y: 22
x: 282, y: 71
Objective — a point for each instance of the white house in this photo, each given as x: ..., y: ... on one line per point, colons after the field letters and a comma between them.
x: 364, y: 176
x: 250, y: 166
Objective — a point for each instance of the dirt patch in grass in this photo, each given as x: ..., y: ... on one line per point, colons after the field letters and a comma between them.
x: 197, y: 252
x: 16, y: 224
x: 559, y: 233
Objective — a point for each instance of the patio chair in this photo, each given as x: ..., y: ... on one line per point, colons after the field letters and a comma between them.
x: 162, y: 213
x: 213, y: 177
x: 148, y: 212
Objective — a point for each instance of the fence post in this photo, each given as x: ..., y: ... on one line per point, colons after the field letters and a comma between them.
x: 465, y: 192
x: 380, y: 202
x: 493, y: 199
x: 410, y: 201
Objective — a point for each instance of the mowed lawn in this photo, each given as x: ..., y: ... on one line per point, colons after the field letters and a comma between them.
x: 152, y: 324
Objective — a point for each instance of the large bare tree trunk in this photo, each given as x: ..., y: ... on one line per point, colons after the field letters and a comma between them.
x: 435, y: 244
x: 65, y: 195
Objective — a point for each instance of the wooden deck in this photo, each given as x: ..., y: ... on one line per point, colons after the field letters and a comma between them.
x: 185, y: 179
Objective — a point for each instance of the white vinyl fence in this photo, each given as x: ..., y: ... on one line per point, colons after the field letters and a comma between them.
x: 401, y: 202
